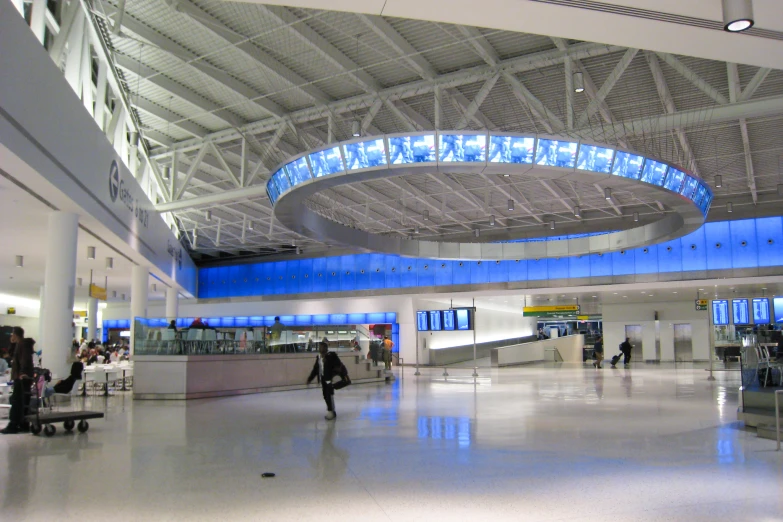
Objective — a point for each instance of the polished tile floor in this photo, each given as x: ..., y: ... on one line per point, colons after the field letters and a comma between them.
x: 531, y: 443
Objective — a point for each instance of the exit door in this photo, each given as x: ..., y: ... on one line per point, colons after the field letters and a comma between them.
x: 634, y: 334
x: 683, y: 343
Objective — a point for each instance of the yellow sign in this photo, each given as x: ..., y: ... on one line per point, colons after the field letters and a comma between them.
x: 561, y: 308
x: 11, y: 310
x: 582, y: 317
x: 79, y: 313
x: 97, y: 292
x: 701, y: 302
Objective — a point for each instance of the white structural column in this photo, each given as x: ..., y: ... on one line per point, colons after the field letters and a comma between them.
x: 139, y: 282
x: 171, y: 303
x: 40, y: 338
x: 59, y: 280
x: 92, y: 318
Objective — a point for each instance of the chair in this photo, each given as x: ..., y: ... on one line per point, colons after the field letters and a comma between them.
x: 193, y: 339
x: 169, y: 338
x: 210, y: 341
x: 770, y: 364
x: 97, y: 377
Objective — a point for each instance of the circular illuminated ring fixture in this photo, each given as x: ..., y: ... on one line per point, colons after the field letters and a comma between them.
x: 685, y: 197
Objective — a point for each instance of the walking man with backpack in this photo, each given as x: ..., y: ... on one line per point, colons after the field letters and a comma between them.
x: 328, y: 366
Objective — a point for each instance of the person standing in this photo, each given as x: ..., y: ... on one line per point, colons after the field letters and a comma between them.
x: 625, y: 348
x: 327, y: 366
x: 387, y: 346
x: 598, y: 352
x: 22, y: 375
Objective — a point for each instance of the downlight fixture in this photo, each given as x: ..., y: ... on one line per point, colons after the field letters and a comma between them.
x: 579, y: 82
x: 737, y: 15
x: 356, y: 130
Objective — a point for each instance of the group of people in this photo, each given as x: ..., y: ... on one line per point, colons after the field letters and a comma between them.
x: 625, y: 351
x: 92, y: 352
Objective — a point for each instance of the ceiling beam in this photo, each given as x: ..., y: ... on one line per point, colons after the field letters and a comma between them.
x: 557, y: 193
x: 699, y: 82
x: 547, y: 118
x: 754, y: 84
x: 169, y: 117
x: 734, y: 94
x: 480, y: 44
x: 607, y: 86
x: 475, y: 104
x: 396, y: 41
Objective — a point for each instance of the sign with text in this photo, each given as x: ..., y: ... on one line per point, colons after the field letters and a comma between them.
x: 97, y: 292
x: 550, y: 311
x: 702, y: 304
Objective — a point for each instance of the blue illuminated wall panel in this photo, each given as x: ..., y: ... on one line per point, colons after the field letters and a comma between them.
x: 744, y: 244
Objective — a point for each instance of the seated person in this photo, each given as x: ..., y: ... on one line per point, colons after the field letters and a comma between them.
x: 114, y: 357
x: 65, y: 386
x: 198, y: 324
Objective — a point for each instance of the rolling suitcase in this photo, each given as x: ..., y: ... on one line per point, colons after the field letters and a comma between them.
x: 616, y: 359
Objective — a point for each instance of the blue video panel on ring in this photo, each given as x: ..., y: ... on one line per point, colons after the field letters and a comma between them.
x: 326, y: 162
x: 272, y: 192
x: 298, y: 171
x: 654, y: 172
x: 701, y: 191
x: 706, y: 202
x: 595, y: 159
x: 365, y: 154
x: 760, y: 310
x: 412, y: 149
x: 470, y: 148
x: 720, y: 312
x: 627, y: 165
x: 554, y: 153
x: 741, y: 312
x: 511, y: 149
x: 281, y: 181
x: 674, y: 180
x: 689, y: 187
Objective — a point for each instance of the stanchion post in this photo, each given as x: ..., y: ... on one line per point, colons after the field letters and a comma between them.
x: 417, y: 346
x: 445, y: 372
x: 475, y: 365
x: 777, y: 417
x: 712, y: 361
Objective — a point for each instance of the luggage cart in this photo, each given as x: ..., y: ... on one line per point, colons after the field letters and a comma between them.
x: 42, y: 420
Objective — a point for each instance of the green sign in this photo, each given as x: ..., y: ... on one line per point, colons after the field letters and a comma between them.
x: 701, y: 304
x: 549, y: 314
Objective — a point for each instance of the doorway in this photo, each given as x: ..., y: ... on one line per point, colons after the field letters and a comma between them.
x: 634, y: 334
x: 683, y: 343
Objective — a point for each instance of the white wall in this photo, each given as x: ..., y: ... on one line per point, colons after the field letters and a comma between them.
x: 30, y: 324
x: 617, y: 316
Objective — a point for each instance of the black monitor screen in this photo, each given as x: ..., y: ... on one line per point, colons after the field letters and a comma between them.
x: 555, y: 153
x: 654, y: 172
x: 326, y: 162
x: 448, y: 319
x: 761, y: 310
x: 627, y: 165
x: 777, y: 303
x: 462, y: 147
x: 741, y: 312
x: 365, y: 154
x: 463, y: 319
x: 595, y: 159
x: 422, y: 321
x: 511, y: 149
x: 720, y: 312
x: 435, y: 322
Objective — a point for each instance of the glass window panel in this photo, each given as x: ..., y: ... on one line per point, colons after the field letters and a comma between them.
x: 298, y: 172
x: 674, y: 180
x: 326, y: 162
x: 555, y: 153
x: 412, y: 149
x: 689, y: 187
x: 627, y: 165
x: 462, y: 147
x: 365, y: 154
x: 595, y: 158
x: 654, y: 172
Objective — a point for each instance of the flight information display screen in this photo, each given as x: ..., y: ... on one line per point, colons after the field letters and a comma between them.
x: 463, y: 319
x: 741, y: 311
x: 365, y: 154
x: 627, y: 165
x: 760, y: 310
x: 511, y: 149
x: 777, y: 303
x: 654, y: 172
x: 720, y: 312
x: 412, y: 149
x: 595, y: 159
x: 449, y: 319
x: 436, y: 324
x: 674, y: 180
x: 422, y: 321
x: 554, y: 153
x: 462, y: 147
x: 326, y: 162
x: 298, y: 171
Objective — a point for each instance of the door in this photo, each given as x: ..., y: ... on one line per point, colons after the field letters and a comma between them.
x: 634, y: 334
x: 683, y: 344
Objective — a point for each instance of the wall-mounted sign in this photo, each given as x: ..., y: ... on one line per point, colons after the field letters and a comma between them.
x: 97, y: 292
x: 11, y: 310
x: 702, y: 304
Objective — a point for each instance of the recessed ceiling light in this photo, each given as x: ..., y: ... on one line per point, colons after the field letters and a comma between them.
x: 701, y: 289
x: 615, y: 293
x: 674, y: 292
x: 595, y: 296
x: 625, y: 296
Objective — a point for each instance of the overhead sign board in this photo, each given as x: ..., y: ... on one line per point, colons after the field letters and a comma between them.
x: 702, y: 304
x: 97, y: 292
x: 550, y: 311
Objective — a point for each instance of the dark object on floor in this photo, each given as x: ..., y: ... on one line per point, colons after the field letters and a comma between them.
x: 267, y: 475
x: 616, y: 359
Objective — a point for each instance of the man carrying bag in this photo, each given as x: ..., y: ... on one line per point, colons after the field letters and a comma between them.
x: 328, y: 366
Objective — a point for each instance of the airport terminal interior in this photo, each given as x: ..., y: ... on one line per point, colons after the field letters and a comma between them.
x: 391, y: 260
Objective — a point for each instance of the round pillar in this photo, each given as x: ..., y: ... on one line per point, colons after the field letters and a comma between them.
x: 171, y: 303
x: 140, y: 276
x: 59, y: 280
x: 92, y: 319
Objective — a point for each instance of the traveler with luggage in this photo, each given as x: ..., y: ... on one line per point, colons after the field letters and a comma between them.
x: 625, y: 352
x: 598, y: 352
x: 22, y: 375
x: 328, y: 366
